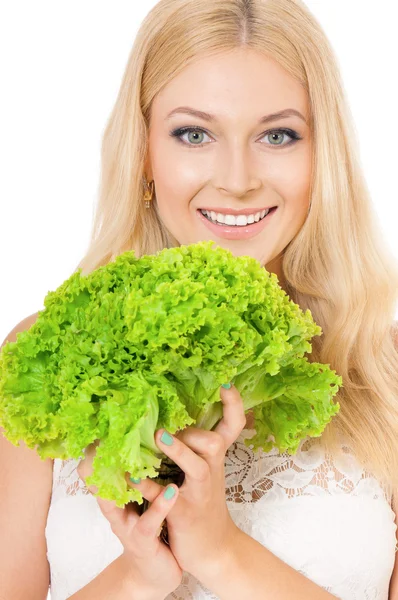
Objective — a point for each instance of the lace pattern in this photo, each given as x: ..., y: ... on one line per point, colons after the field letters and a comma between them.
x: 324, y: 516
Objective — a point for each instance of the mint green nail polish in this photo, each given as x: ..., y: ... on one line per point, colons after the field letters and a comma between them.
x: 226, y: 385
x: 169, y: 493
x: 135, y: 480
x: 166, y: 438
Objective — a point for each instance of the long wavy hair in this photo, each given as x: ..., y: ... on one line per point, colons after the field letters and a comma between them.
x: 338, y: 265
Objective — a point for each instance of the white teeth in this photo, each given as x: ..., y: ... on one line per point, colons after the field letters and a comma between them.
x: 239, y: 220
x: 230, y: 220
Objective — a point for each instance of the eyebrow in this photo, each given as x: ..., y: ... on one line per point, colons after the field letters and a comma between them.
x: 282, y: 114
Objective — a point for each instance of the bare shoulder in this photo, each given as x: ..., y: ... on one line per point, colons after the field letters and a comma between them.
x: 23, y: 325
x: 23, y: 452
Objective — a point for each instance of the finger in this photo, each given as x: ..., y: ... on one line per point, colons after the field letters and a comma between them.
x: 119, y: 518
x: 149, y: 525
x: 149, y: 489
x: 195, y: 451
x: 207, y: 444
x: 234, y: 418
x: 123, y: 522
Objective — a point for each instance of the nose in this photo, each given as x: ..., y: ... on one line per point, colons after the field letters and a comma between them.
x: 235, y: 173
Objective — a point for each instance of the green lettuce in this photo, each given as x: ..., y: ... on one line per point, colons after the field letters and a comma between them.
x: 143, y: 344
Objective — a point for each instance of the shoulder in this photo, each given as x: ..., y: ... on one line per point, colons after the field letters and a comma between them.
x: 21, y: 326
x: 22, y: 453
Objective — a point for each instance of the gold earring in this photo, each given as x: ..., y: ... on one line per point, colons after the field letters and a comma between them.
x: 148, y: 194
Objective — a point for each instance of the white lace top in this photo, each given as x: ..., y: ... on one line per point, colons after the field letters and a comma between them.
x: 328, y: 519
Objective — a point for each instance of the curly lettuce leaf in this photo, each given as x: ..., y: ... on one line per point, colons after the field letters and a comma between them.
x: 143, y: 344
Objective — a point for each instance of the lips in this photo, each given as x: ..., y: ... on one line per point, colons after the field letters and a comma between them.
x: 233, y: 211
x: 236, y: 232
x: 255, y: 217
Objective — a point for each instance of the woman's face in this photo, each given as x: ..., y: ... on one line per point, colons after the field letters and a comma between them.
x: 232, y: 162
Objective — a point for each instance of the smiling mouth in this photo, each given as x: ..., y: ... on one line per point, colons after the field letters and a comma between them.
x: 243, y: 220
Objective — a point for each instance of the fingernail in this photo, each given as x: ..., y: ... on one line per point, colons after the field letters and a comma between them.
x: 226, y: 385
x: 166, y: 438
x: 135, y: 480
x: 169, y: 493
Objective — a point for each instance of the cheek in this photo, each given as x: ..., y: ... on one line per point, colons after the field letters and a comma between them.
x: 297, y: 188
x: 177, y: 183
x: 296, y: 207
x: 175, y: 199
x: 175, y: 171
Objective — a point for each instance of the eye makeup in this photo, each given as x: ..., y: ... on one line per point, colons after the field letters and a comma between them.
x: 294, y: 136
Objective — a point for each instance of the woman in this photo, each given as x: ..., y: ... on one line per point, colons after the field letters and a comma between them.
x: 228, y: 109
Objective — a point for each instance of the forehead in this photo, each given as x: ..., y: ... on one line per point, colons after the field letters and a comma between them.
x: 232, y: 85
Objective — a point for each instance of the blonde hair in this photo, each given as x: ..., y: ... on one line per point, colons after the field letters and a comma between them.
x: 337, y: 266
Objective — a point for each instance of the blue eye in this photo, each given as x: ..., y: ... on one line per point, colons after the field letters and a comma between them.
x: 178, y: 133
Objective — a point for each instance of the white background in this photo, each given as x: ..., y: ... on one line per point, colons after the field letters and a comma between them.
x: 61, y: 67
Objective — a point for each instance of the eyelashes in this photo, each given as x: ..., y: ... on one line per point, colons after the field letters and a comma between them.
x: 293, y: 135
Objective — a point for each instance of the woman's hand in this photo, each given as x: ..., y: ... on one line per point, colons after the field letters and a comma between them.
x: 201, y: 531
x: 150, y: 564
